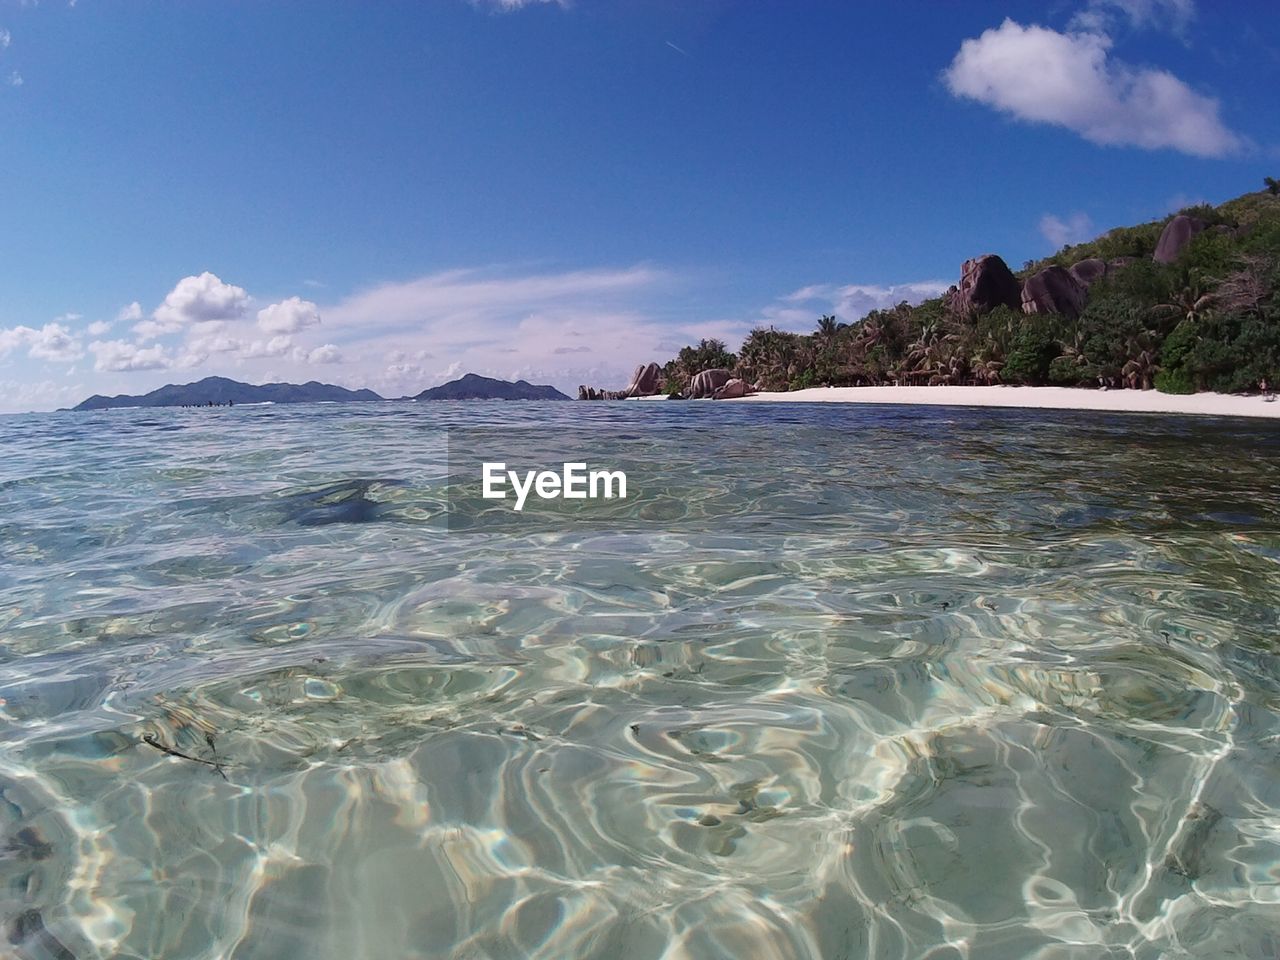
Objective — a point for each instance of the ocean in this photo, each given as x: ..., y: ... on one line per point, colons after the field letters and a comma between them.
x: 831, y: 681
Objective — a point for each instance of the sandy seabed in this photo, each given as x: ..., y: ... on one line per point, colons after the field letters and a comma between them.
x: 1040, y: 398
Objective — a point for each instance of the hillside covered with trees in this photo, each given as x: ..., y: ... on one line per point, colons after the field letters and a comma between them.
x: 1107, y: 313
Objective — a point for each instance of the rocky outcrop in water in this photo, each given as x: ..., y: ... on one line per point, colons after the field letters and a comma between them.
x: 1054, y: 290
x: 986, y: 282
x: 645, y: 382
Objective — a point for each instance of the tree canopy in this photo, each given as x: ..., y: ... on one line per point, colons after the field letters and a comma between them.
x: 1208, y: 321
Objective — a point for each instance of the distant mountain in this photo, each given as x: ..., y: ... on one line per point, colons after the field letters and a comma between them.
x: 220, y: 390
x: 475, y: 387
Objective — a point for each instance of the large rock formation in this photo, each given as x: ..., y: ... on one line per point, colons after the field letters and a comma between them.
x: 645, y: 382
x: 1053, y: 290
x: 732, y: 390
x: 986, y: 282
x: 1088, y: 272
x: 1178, y: 232
x: 706, y: 383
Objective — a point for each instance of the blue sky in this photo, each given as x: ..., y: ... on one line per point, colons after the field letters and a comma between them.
x: 391, y: 194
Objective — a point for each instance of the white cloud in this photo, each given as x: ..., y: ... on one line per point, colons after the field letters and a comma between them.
x: 216, y: 344
x: 799, y: 311
x: 288, y: 316
x: 1075, y: 229
x: 5, y: 38
x: 14, y: 338
x: 462, y: 305
x: 14, y: 79
x: 504, y: 325
x: 585, y: 326
x: 119, y: 355
x: 1101, y: 15
x: 275, y: 347
x: 1180, y: 201
x: 19, y: 395
x: 195, y: 299
x: 98, y: 328
x: 1070, y: 80
x: 11, y: 338
x: 328, y: 353
x: 130, y: 314
x: 189, y: 359
x: 55, y: 342
x: 509, y: 6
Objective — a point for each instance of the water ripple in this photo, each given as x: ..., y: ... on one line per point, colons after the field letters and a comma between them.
x: 935, y: 684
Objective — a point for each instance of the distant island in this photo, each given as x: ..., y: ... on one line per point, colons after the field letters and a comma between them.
x: 221, y: 391
x: 475, y: 387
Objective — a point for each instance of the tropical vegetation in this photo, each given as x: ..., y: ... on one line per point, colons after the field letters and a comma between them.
x: 1208, y: 321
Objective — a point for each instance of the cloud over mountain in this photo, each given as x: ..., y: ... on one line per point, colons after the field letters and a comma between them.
x: 195, y: 299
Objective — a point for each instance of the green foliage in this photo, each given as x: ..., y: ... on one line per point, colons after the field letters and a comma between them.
x: 1273, y: 185
x: 1208, y: 258
x: 707, y: 355
x: 771, y: 358
x: 808, y: 378
x: 999, y: 327
x: 1033, y: 350
x: 1252, y: 209
x: 1178, y: 345
x: 1137, y: 242
x: 1210, y: 321
x: 1068, y: 372
x: 692, y: 360
x: 1203, y: 211
x: 1174, y: 381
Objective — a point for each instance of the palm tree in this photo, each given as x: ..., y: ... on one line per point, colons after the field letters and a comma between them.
x: 988, y: 371
x: 871, y: 331
x: 1189, y: 305
x: 770, y: 357
x: 828, y: 327
x: 1139, y: 371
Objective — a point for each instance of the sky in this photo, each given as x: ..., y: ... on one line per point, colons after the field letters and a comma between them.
x: 391, y: 195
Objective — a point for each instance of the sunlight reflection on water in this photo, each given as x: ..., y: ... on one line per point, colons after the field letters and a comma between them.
x: 1012, y: 691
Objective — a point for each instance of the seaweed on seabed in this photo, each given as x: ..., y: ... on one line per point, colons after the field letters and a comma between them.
x: 152, y: 740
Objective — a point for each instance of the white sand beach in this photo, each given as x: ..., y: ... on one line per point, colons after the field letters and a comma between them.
x: 1040, y: 398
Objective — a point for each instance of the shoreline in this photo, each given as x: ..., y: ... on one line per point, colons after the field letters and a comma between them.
x: 1035, y: 398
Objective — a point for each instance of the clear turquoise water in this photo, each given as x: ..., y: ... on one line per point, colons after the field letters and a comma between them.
x: 840, y: 682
